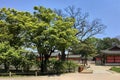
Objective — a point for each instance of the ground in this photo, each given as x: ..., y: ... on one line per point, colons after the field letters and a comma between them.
x: 99, y: 73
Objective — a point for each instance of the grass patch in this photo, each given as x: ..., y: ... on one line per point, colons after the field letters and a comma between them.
x: 116, y: 69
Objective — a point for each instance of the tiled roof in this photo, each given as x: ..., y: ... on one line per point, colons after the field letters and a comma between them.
x: 110, y: 52
x: 74, y: 56
x: 115, y: 47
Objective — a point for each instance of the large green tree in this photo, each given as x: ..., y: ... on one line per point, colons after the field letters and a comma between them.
x: 44, y: 30
x: 13, y: 28
x: 49, y: 32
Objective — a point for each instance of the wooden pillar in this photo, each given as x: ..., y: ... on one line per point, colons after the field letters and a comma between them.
x: 105, y: 57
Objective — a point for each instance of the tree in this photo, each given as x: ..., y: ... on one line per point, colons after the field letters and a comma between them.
x: 49, y: 32
x: 86, y: 49
x: 13, y: 29
x: 90, y: 42
x: 38, y: 33
x: 84, y: 27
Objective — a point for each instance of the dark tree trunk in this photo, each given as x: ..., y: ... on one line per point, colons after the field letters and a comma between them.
x: 42, y: 64
x: 63, y: 55
x: 6, y: 66
x: 45, y: 61
x: 16, y: 67
x: 44, y: 58
x: 47, y: 57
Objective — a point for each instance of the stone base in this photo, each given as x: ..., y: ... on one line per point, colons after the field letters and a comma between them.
x: 87, y: 71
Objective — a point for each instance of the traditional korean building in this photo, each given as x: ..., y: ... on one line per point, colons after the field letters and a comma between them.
x: 110, y: 56
x: 57, y: 55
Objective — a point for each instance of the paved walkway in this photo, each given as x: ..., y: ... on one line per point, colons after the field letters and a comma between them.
x: 100, y: 69
x: 99, y: 73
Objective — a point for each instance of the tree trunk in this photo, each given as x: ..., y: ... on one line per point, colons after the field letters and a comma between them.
x: 63, y: 55
x: 45, y: 62
x: 16, y: 67
x: 6, y: 66
x: 42, y: 64
x: 44, y: 58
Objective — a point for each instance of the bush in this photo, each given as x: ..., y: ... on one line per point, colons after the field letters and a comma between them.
x: 58, y: 66
x: 71, y: 66
x: 50, y: 65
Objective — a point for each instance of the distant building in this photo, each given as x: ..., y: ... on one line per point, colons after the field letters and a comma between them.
x: 110, y: 56
x: 57, y: 55
x: 73, y: 57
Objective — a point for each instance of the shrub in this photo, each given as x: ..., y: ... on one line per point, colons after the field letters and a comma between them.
x: 71, y: 66
x: 58, y: 66
x: 50, y: 65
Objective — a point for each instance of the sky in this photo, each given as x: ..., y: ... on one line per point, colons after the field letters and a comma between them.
x: 108, y: 11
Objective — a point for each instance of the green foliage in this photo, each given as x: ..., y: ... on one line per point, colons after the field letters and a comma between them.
x: 7, y: 54
x: 51, y: 64
x: 45, y: 31
x: 86, y: 47
x: 65, y: 34
x: 10, y: 56
x: 116, y: 69
x: 13, y: 24
x: 106, y: 43
x: 49, y: 28
x: 28, y: 59
x: 16, y: 60
x: 71, y: 66
x: 92, y: 46
x: 50, y: 31
x: 58, y: 66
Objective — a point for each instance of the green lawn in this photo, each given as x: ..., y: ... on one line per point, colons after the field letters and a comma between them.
x: 116, y: 69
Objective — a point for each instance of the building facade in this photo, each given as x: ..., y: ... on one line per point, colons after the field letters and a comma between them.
x: 110, y: 56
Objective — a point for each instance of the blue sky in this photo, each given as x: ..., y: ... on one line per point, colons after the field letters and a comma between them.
x: 106, y: 10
